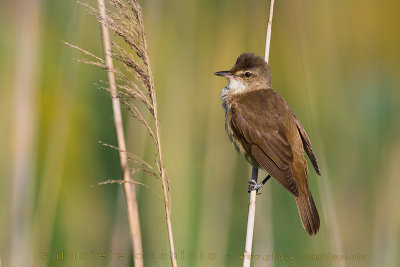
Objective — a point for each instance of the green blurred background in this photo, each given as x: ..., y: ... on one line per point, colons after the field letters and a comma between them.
x: 337, y: 63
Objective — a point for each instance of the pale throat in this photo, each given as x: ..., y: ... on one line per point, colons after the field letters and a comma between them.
x: 235, y: 86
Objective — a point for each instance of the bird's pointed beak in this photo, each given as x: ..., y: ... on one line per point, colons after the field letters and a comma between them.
x: 225, y: 74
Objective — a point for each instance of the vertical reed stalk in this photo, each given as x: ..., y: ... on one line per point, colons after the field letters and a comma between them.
x: 164, y: 178
x: 253, y: 194
x: 269, y: 31
x: 135, y: 88
x: 24, y: 128
x: 129, y: 187
x: 250, y: 222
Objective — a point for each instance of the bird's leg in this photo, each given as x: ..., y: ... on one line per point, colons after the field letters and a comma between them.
x: 254, y: 186
x: 254, y: 178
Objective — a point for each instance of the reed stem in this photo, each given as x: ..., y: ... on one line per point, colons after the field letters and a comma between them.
x: 250, y: 221
x: 164, y: 178
x: 129, y: 187
x: 253, y: 194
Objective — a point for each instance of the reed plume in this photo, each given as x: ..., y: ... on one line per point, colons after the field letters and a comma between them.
x: 131, y: 83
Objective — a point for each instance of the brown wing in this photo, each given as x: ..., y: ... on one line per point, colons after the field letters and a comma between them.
x: 265, y: 140
x: 307, y: 144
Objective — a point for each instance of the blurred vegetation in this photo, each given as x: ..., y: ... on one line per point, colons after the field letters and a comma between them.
x: 337, y: 63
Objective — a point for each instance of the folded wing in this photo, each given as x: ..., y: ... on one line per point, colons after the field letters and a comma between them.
x: 266, y: 141
x: 307, y: 144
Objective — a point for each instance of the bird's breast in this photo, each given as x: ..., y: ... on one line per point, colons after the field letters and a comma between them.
x: 236, y: 140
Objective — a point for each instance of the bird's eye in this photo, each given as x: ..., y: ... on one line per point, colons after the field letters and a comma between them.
x: 247, y: 74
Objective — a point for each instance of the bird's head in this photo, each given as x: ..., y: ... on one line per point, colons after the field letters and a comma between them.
x: 250, y: 72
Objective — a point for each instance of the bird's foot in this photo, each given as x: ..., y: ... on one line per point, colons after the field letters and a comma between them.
x: 254, y: 186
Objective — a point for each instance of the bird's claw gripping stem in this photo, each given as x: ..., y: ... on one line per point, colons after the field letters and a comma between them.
x: 254, y: 186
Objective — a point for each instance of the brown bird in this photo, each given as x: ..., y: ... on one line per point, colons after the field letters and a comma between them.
x: 264, y: 129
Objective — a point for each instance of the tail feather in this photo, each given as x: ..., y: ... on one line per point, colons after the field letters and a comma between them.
x: 308, y: 212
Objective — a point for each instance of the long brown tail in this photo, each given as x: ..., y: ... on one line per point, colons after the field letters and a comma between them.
x: 308, y: 212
